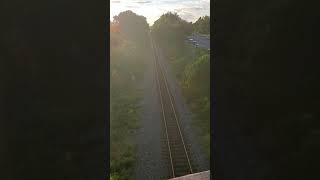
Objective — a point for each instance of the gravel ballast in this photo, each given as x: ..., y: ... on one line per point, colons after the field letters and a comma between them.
x: 151, y: 163
x: 190, y: 131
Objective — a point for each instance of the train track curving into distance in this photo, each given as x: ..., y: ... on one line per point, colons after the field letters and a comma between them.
x: 180, y: 163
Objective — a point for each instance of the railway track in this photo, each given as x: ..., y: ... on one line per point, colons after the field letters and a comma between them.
x: 179, y: 159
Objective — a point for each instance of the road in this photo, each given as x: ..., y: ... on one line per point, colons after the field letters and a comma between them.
x: 202, y: 40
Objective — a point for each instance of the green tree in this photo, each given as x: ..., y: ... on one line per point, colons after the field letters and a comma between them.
x: 197, y: 73
x: 170, y: 31
x: 129, y: 50
x: 202, y: 25
x: 132, y: 26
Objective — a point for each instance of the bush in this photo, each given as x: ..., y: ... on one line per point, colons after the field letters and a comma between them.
x: 128, y: 58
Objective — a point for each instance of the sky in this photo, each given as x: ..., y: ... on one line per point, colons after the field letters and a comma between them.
x: 189, y: 10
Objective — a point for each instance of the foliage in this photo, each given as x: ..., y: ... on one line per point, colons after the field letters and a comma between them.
x: 132, y: 26
x: 194, y: 77
x: 127, y: 59
x: 196, y: 90
x: 202, y: 25
x: 170, y: 31
x: 197, y: 73
x: 191, y: 67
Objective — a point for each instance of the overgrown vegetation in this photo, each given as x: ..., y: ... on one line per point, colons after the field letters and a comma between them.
x: 191, y: 66
x: 128, y: 52
x: 170, y: 31
x: 196, y: 90
x: 202, y: 25
x: 128, y: 56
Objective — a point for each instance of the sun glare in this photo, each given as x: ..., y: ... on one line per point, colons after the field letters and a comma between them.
x: 189, y: 10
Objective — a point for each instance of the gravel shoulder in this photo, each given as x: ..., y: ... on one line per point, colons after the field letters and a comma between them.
x: 149, y: 163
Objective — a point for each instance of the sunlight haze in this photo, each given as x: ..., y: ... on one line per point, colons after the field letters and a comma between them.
x: 189, y: 10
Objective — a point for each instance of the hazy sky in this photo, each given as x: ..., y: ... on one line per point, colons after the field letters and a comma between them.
x: 189, y: 10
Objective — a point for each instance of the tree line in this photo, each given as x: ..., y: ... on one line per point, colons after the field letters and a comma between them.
x: 129, y: 50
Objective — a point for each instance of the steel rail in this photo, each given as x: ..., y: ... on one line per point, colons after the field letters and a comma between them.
x: 161, y: 73
x: 163, y: 114
x: 175, y: 115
